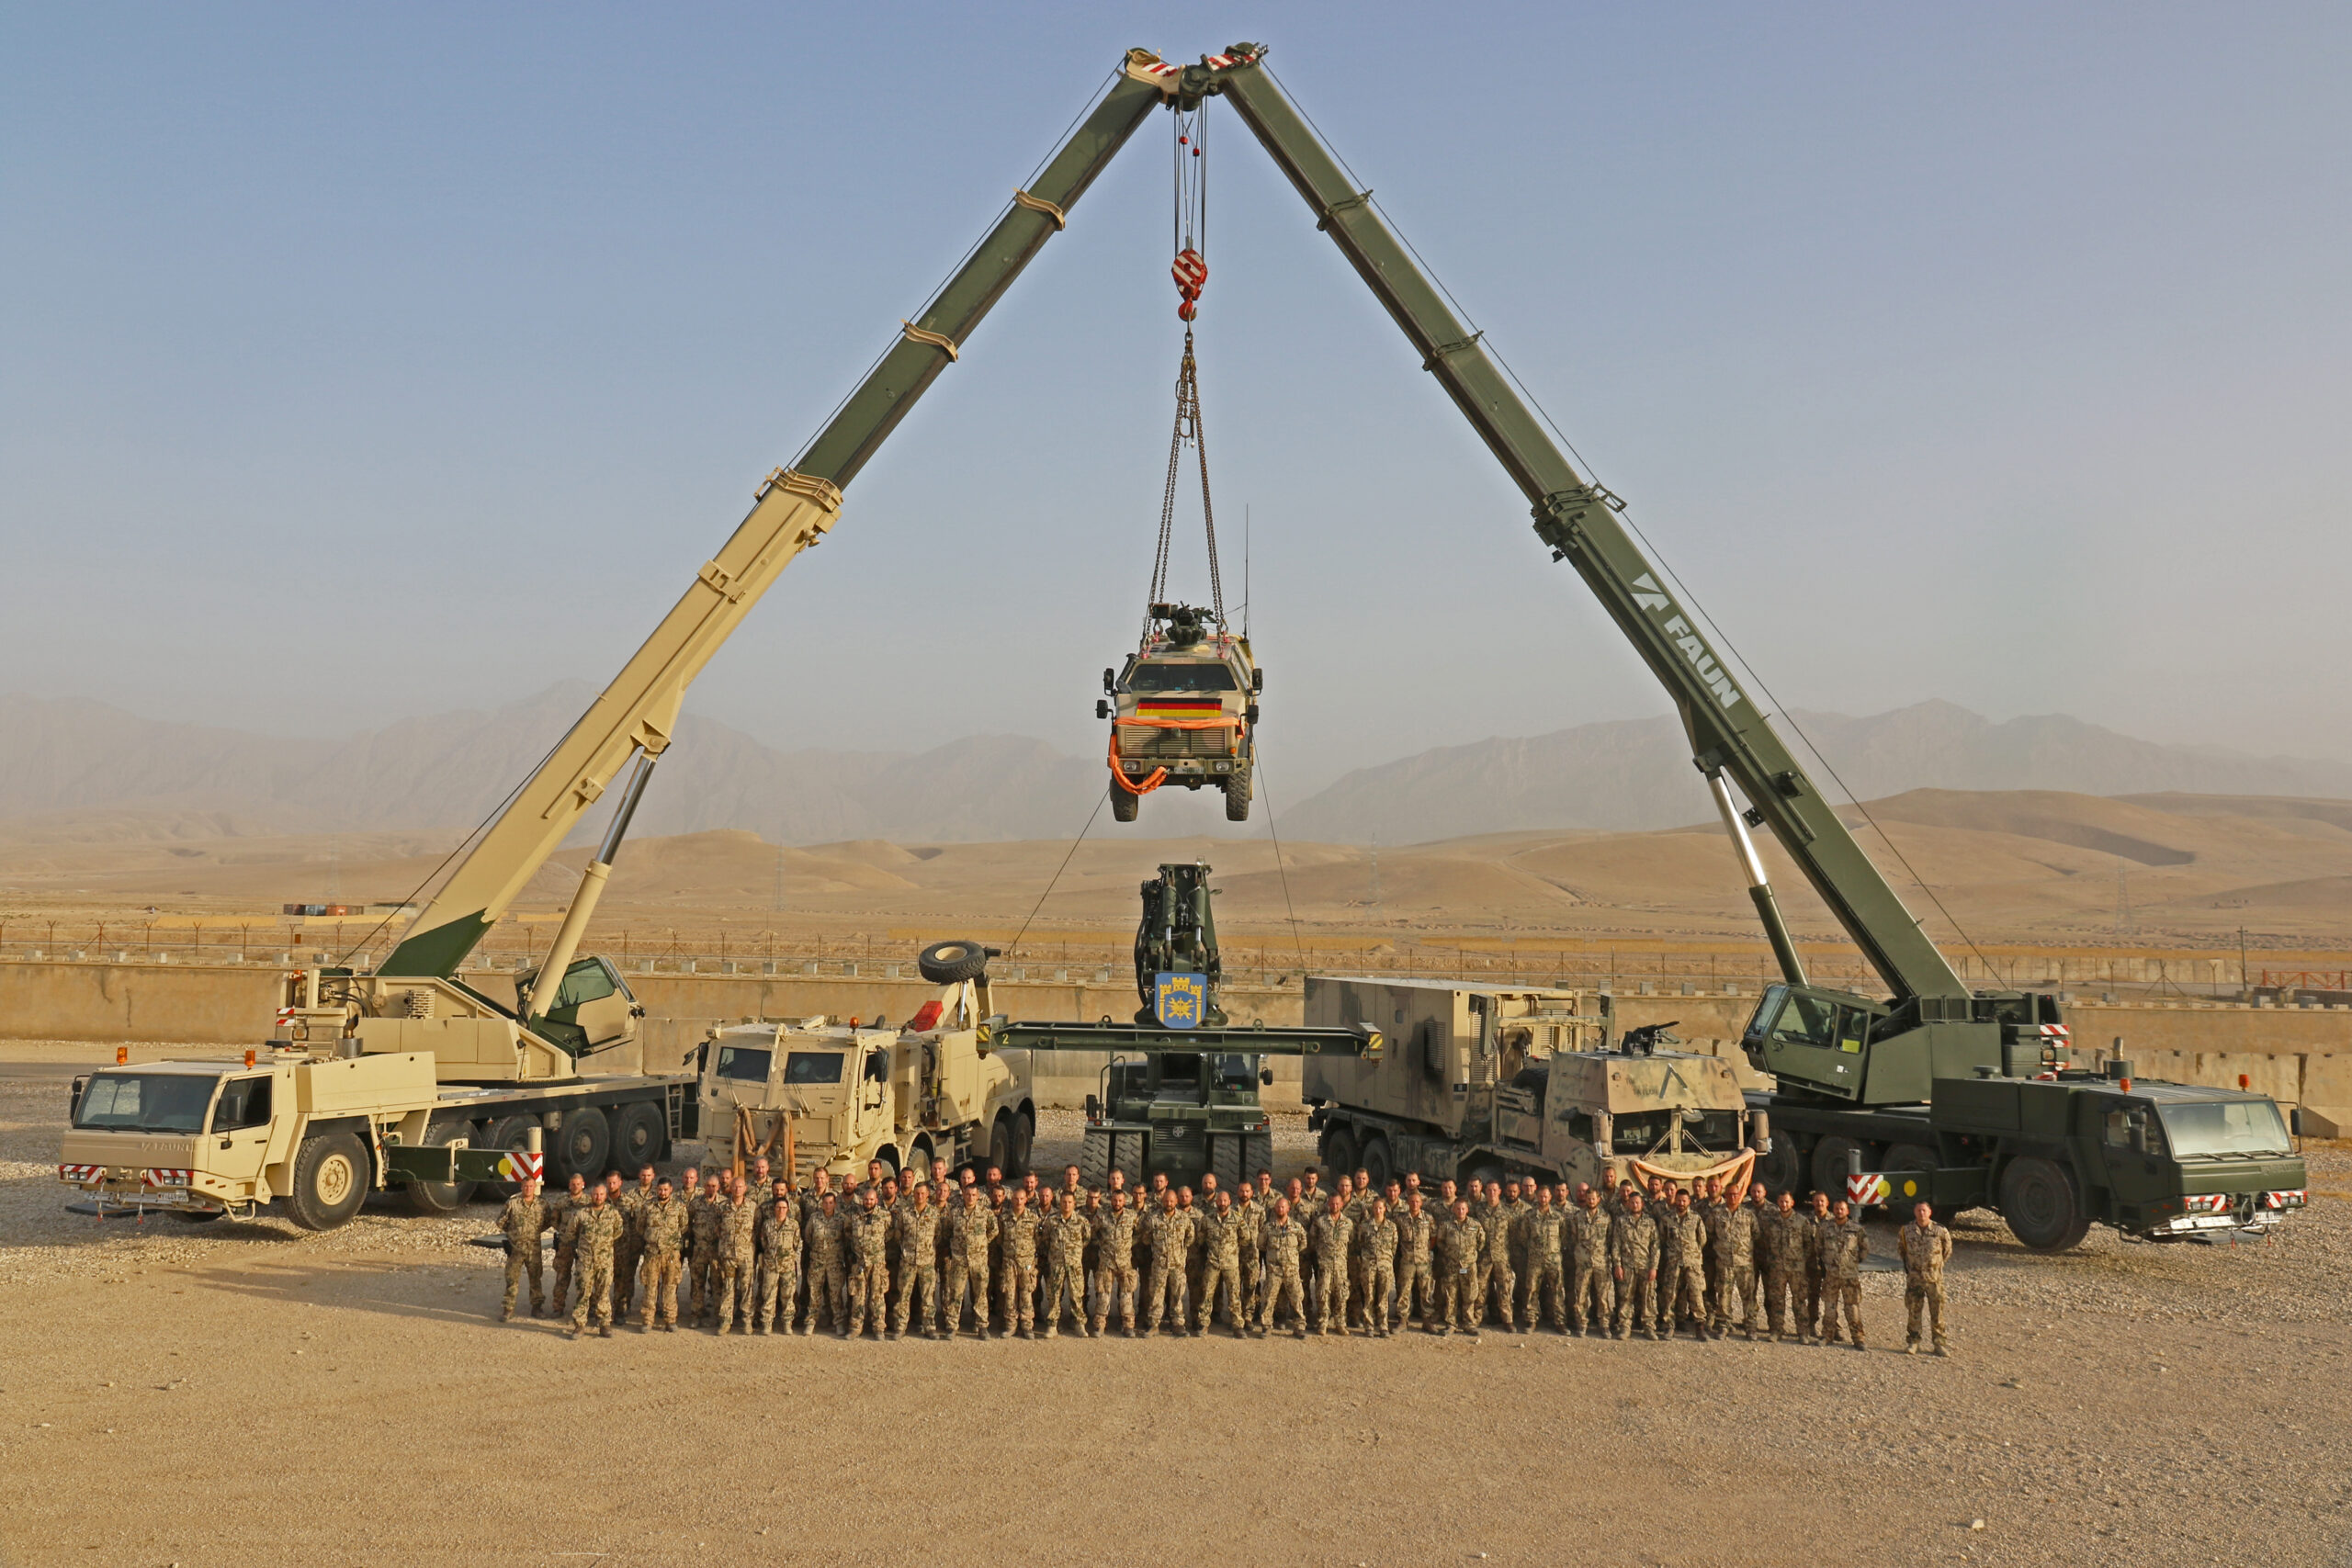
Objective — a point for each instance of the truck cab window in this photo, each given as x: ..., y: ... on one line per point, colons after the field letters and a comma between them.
x: 1806, y: 1021
x: 812, y: 1068
x: 745, y: 1063
x: 244, y: 1103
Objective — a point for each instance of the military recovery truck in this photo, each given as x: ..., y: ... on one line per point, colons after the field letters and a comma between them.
x: 820, y: 1095
x: 1184, y: 711
x: 1493, y: 1081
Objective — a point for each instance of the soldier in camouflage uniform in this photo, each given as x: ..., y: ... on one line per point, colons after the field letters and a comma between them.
x: 1067, y: 1234
x: 826, y: 1235
x: 1460, y: 1244
x: 600, y: 1231
x: 1415, y: 1284
x: 1220, y: 1232
x: 779, y: 1276
x: 1251, y: 1213
x: 739, y: 1224
x: 1172, y: 1238
x: 1589, y: 1273
x: 1516, y: 1207
x: 1282, y: 1243
x: 563, y: 1211
x: 918, y: 1227
x: 1843, y: 1248
x: 704, y: 1213
x: 1633, y: 1264
x: 868, y: 1247
x: 523, y: 1221
x: 1379, y: 1238
x: 1730, y: 1248
x: 627, y: 1255
x: 1498, y: 1282
x: 1785, y: 1235
x: 1018, y: 1227
x: 1682, y: 1269
x: 967, y: 1262
x: 1115, y: 1263
x: 663, y: 1231
x: 1924, y: 1246
x: 1545, y: 1230
x: 1332, y: 1233
x: 1810, y: 1318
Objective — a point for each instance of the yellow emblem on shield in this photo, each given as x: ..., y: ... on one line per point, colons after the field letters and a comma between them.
x: 1182, y: 1000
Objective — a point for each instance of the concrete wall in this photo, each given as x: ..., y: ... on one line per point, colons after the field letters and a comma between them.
x: 2300, y: 1057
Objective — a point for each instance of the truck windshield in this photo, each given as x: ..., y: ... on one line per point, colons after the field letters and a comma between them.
x: 1807, y: 1020
x: 146, y: 1102
x: 1201, y: 677
x: 2225, y: 1127
x: 813, y: 1066
x: 746, y: 1062
x: 1233, y: 1072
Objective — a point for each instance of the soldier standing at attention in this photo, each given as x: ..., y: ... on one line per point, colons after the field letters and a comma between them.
x: 1632, y: 1263
x: 1379, y: 1268
x: 1251, y: 1213
x: 562, y: 1213
x: 599, y: 1230
x: 1171, y: 1234
x: 1731, y: 1246
x: 1415, y: 1284
x: 968, y: 1264
x: 1221, y: 1268
x: 1115, y: 1262
x: 1499, y: 1283
x: 632, y: 1246
x: 522, y: 1222
x: 738, y: 1225
x: 1019, y: 1227
x: 868, y: 1247
x: 1843, y: 1248
x: 916, y: 1224
x: 1924, y: 1246
x: 1589, y: 1279
x: 827, y: 1235
x: 1331, y: 1235
x: 704, y: 1211
x: 1196, y: 1248
x: 1283, y: 1243
x: 664, y: 1230
x: 1461, y: 1242
x: 1784, y: 1234
x: 1545, y: 1229
x: 1682, y: 1269
x: 1518, y: 1203
x: 1820, y: 1315
x: 1067, y: 1232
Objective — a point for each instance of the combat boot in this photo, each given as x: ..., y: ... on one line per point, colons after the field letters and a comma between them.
x: 1942, y: 1350
x: 506, y: 1315
x: 1857, y: 1343
x: 1300, y: 1332
x: 1053, y: 1331
x: 1910, y: 1347
x: 605, y: 1331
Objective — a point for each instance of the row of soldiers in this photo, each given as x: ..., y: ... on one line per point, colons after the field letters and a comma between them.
x: 758, y: 1253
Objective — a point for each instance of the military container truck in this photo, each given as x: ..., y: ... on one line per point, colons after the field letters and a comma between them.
x: 1491, y: 1081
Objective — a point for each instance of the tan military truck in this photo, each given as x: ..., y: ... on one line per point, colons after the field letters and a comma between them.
x: 1492, y: 1081
x: 820, y: 1094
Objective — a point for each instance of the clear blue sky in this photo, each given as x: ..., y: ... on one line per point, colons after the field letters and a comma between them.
x: 361, y: 361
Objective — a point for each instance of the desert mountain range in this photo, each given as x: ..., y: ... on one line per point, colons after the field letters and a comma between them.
x: 78, y: 772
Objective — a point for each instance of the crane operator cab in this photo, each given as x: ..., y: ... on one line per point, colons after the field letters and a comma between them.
x: 1184, y: 711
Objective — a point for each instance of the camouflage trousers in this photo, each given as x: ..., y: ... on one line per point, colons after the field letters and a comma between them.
x: 702, y: 1280
x: 919, y: 1294
x: 1739, y: 1280
x: 1359, y: 1289
x: 1920, y: 1296
x: 1224, y: 1277
x: 1683, y: 1294
x: 869, y: 1295
x: 1547, y: 1290
x: 827, y: 1295
x: 1416, y: 1291
x: 1809, y: 1305
x: 1783, y: 1295
x: 733, y: 1282
x: 1064, y: 1287
x: 1020, y: 1283
x: 520, y: 1258
x: 1497, y: 1286
x: 1636, y: 1294
x: 661, y: 1287
x: 596, y: 1292
x: 1846, y: 1293
x: 1460, y: 1300
x: 967, y: 1281
x: 1278, y: 1286
x: 626, y: 1255
x: 1163, y: 1290
x: 1114, y: 1286
x: 559, y: 1298
x: 1589, y: 1297
x: 1336, y: 1288
x: 1249, y: 1271
x: 1379, y: 1293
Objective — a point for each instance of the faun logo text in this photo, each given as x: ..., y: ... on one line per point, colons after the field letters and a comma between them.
x: 1649, y: 597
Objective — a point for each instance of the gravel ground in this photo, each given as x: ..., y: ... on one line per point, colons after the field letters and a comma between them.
x: 2121, y: 1403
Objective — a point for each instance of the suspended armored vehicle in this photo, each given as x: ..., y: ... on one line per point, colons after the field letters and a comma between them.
x: 1184, y: 711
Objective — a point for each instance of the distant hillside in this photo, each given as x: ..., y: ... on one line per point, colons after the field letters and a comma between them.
x: 77, y: 771
x: 1637, y: 774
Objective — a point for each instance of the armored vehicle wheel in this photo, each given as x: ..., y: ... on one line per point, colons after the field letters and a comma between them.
x: 1124, y: 804
x: 585, y: 1144
x: 1485, y: 1171
x: 1782, y: 1171
x: 1000, y: 1143
x: 1094, y: 1160
x: 1376, y: 1161
x: 1340, y: 1153
x: 951, y: 963
x: 433, y: 1198
x: 1025, y: 1139
x: 639, y: 1135
x: 2038, y: 1201
x: 918, y: 1165
x: 1238, y: 790
x: 1829, y: 1166
x: 509, y: 1135
x: 1229, y: 1159
x: 332, y: 1175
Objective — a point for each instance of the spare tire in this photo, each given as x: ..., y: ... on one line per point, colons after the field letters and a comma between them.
x: 950, y: 963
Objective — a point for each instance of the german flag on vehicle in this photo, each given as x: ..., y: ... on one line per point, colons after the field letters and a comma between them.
x: 1179, y: 708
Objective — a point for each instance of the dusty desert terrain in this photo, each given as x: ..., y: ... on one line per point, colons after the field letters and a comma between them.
x: 245, y: 1395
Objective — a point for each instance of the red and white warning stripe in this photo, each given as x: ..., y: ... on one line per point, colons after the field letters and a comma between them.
x: 521, y: 1165
x: 80, y: 1174
x: 2208, y: 1204
x: 2055, y: 1030
x: 168, y: 1177
x: 2294, y: 1198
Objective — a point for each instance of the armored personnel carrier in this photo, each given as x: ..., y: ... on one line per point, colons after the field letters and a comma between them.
x: 1184, y: 711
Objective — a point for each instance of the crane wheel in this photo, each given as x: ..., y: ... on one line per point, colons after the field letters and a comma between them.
x: 1340, y: 1153
x: 585, y: 1144
x: 2041, y: 1205
x: 332, y: 1175
x: 511, y: 1134
x: 951, y: 963
x: 1377, y: 1163
x: 433, y: 1199
x: 1830, y: 1167
x: 639, y: 1131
